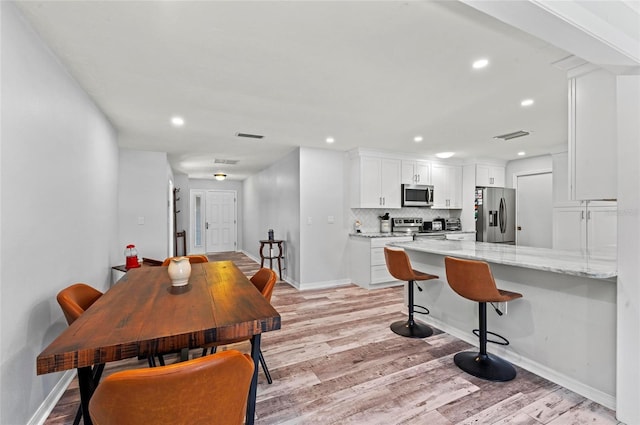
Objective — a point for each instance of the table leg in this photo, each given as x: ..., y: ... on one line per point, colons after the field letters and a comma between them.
x: 87, y: 386
x: 251, y: 402
x: 279, y: 258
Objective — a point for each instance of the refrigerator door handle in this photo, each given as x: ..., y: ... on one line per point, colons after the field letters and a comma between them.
x: 502, y: 214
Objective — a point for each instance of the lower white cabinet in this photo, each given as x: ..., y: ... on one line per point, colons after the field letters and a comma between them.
x: 462, y: 236
x: 368, y: 267
x: 590, y: 226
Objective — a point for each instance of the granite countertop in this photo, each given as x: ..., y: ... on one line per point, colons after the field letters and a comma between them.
x: 398, y: 234
x: 600, y: 265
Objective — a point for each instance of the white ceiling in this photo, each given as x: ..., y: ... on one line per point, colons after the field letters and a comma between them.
x: 369, y: 74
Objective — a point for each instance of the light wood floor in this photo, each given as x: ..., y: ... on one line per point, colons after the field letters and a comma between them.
x: 335, y: 361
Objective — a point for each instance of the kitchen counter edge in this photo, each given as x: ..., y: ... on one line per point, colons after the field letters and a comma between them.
x: 404, y: 234
x: 558, y: 261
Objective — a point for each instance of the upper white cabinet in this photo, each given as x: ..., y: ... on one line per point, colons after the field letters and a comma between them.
x: 592, y: 136
x: 416, y: 172
x: 490, y: 175
x: 375, y: 182
x: 590, y: 226
x: 447, y: 186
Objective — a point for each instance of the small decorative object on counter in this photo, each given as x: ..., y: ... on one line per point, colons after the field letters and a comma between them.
x: 271, y: 234
x: 357, y: 225
x: 131, y: 255
x: 385, y: 223
x: 179, y: 271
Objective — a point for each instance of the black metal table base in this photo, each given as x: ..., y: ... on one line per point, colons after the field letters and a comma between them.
x: 485, y: 366
x: 415, y: 330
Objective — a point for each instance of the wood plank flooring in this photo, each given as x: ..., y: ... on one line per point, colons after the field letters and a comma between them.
x: 335, y: 361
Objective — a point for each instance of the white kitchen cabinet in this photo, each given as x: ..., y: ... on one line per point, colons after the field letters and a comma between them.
x: 460, y: 236
x: 590, y: 226
x: 367, y: 266
x: 490, y: 175
x: 592, y: 136
x: 416, y: 172
x: 447, y: 186
x: 375, y: 182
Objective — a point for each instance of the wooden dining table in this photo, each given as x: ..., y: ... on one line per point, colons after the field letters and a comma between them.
x: 143, y: 315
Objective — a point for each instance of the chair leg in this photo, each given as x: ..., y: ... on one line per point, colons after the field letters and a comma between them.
x: 265, y: 368
x: 213, y: 351
x: 97, y: 374
x: 482, y: 364
x: 410, y: 328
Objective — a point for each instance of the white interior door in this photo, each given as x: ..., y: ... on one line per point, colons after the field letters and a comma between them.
x: 534, y: 210
x: 220, y: 226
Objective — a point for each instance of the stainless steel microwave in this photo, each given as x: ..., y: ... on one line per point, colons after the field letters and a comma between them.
x: 417, y: 195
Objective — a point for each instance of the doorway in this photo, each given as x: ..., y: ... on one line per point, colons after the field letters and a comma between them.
x: 534, y: 209
x: 213, y: 224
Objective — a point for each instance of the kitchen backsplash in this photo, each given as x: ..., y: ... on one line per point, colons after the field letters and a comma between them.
x: 371, y: 223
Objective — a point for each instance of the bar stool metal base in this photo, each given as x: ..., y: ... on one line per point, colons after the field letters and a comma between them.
x: 415, y: 330
x: 485, y: 366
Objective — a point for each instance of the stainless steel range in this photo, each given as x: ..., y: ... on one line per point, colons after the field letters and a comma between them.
x: 408, y: 225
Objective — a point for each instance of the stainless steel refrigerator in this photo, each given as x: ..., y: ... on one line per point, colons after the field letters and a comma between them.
x: 495, y: 215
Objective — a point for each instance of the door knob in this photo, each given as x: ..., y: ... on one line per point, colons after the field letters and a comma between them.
x: 519, y: 227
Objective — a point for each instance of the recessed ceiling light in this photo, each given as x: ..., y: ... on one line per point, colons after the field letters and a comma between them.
x: 417, y: 139
x: 330, y: 140
x: 445, y: 154
x: 522, y: 153
x: 177, y: 121
x: 527, y: 102
x: 480, y: 63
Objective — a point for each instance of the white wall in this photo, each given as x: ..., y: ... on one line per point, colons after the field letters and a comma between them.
x: 560, y: 166
x: 519, y: 166
x: 59, y: 175
x: 271, y: 200
x: 323, y: 245
x: 143, y: 194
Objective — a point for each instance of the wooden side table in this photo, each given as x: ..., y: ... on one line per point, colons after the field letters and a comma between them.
x: 272, y: 254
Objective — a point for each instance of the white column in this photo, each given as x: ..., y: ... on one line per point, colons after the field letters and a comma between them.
x: 628, y: 334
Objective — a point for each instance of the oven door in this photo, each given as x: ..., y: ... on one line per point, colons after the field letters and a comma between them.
x: 415, y: 195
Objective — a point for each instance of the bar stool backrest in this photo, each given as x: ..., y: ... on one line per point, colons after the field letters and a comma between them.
x: 75, y: 299
x: 472, y: 279
x: 193, y: 259
x: 398, y: 264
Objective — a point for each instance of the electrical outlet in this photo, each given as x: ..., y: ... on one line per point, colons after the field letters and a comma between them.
x: 331, y: 219
x: 503, y: 308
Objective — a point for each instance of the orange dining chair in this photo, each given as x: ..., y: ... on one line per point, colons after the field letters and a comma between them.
x: 211, y: 389
x: 74, y: 300
x: 264, y: 280
x: 193, y: 259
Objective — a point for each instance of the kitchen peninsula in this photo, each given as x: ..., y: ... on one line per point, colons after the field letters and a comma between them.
x: 564, y: 327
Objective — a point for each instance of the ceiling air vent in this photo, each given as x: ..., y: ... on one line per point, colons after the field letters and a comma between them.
x: 225, y: 161
x: 513, y: 135
x: 250, y: 136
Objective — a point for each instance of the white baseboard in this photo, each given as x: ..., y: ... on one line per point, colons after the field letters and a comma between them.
x: 52, y: 399
x: 532, y: 366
